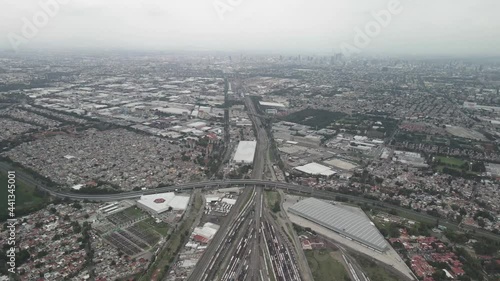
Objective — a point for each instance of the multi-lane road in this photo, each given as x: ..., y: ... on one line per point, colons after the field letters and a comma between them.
x: 239, y: 182
x: 241, y: 239
x: 206, y: 268
x: 245, y: 259
x: 259, y: 164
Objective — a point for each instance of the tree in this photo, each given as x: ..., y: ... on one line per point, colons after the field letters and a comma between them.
x: 481, y: 223
x: 393, y: 230
x: 22, y: 257
x: 276, y: 207
x: 439, y: 275
x: 486, y: 247
x: 76, y: 227
x: 41, y: 254
x: 434, y: 213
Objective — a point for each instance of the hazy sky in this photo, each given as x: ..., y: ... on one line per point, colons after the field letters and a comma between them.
x: 455, y: 27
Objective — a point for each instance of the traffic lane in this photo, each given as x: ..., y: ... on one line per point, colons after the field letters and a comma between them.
x: 225, y: 183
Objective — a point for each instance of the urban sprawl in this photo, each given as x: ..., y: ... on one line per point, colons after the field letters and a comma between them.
x: 241, y: 167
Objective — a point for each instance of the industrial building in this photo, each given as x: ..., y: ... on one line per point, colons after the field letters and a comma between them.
x: 341, y: 164
x: 316, y: 170
x: 492, y: 169
x: 350, y: 223
x: 272, y: 107
x: 206, y: 233
x: 272, y: 104
x: 245, y: 152
x: 158, y: 203
x: 410, y: 158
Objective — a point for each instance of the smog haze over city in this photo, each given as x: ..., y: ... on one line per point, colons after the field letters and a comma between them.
x: 446, y: 28
x: 238, y: 140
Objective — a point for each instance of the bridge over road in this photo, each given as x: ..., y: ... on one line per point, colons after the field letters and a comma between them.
x: 306, y: 190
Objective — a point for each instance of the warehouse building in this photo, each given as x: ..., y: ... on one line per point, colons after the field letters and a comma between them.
x: 206, y: 233
x: 158, y: 203
x: 245, y: 152
x: 349, y: 223
x: 272, y: 105
x: 316, y: 169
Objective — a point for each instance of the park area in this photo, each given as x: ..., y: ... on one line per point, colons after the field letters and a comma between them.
x: 458, y: 167
x: 324, y: 267
x: 28, y: 198
x: 450, y: 161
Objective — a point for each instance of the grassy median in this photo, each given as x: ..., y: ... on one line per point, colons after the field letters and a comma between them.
x: 374, y: 271
x: 324, y: 267
x: 273, y: 199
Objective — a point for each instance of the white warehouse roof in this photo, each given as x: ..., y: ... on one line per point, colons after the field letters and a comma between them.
x: 198, y: 124
x: 316, y: 169
x: 355, y: 225
x: 207, y: 231
x: 272, y: 104
x: 245, y: 152
x: 229, y: 201
x: 160, y: 203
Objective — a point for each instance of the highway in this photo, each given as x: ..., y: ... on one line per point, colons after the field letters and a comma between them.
x: 353, y: 268
x: 206, y: 268
x: 237, y: 249
x: 238, y: 182
x: 259, y: 164
x: 237, y: 268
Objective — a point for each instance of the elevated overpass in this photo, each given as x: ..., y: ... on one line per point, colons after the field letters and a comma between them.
x: 306, y: 190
